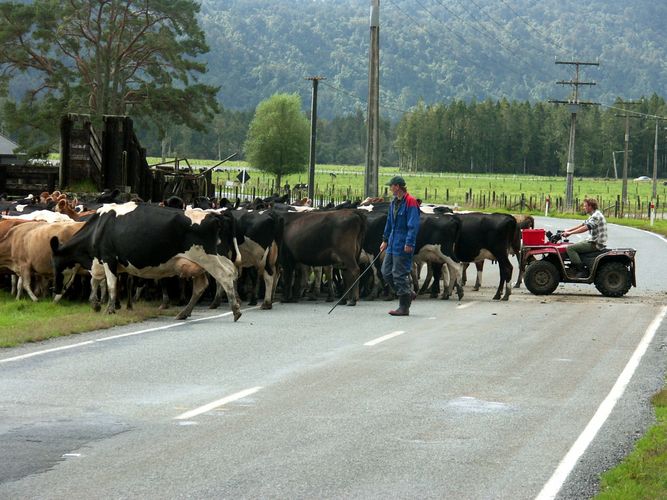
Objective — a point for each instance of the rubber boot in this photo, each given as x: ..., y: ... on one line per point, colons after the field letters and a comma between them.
x: 403, y: 306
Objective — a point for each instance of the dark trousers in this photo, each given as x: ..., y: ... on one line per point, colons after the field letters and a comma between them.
x: 396, y: 272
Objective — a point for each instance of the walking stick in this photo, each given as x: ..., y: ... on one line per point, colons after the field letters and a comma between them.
x: 355, y: 282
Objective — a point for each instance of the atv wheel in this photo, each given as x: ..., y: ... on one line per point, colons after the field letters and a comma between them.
x: 541, y: 277
x: 613, y: 279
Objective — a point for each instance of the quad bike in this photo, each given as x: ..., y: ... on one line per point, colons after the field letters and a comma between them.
x: 547, y: 264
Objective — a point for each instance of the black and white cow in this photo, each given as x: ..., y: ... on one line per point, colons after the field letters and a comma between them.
x: 259, y: 249
x: 151, y: 242
x: 437, y: 241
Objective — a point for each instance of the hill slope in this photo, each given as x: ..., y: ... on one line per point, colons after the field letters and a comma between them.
x: 437, y: 50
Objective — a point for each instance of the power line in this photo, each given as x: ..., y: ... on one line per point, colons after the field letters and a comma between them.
x: 485, y: 32
x: 359, y: 100
x: 535, y: 29
x: 638, y: 113
x: 461, y: 40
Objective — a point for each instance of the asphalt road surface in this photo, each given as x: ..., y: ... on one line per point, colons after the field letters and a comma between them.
x: 476, y: 399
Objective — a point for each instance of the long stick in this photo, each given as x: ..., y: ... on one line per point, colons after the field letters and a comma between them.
x: 355, y: 282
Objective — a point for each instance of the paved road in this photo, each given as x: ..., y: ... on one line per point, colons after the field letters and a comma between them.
x: 471, y: 399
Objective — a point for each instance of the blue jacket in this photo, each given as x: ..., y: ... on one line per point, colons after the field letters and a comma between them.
x: 402, y: 230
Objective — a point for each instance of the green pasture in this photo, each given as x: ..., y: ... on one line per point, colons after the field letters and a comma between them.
x: 462, y: 189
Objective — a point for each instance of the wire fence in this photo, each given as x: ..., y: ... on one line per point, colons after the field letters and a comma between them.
x: 636, y: 208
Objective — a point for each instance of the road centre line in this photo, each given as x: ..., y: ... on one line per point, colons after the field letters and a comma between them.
x: 385, y: 337
x: 567, y: 464
x: 114, y: 337
x: 215, y: 404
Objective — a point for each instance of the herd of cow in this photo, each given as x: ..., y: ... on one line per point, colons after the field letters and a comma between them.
x: 46, y: 242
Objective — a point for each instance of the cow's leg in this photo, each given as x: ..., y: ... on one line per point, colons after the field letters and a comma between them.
x: 427, y: 279
x: 479, y: 265
x: 288, y: 282
x: 255, y: 273
x: 129, y: 285
x: 112, y: 285
x: 464, y: 272
x: 24, y: 280
x: 314, y: 289
x: 505, y: 278
x: 328, y: 274
x: 14, y: 279
x: 224, y: 272
x: 19, y: 287
x: 436, y: 271
x: 414, y: 276
x: 199, y: 285
x: 141, y: 284
x: 519, y: 278
x: 454, y: 270
x: 268, y: 289
x: 217, y: 299
x: 350, y: 275
x: 95, y: 284
x: 164, y: 292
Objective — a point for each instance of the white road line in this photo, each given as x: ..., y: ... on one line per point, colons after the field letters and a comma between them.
x: 46, y: 351
x: 467, y: 304
x: 119, y: 336
x: 216, y: 404
x: 385, y: 337
x: 555, y: 483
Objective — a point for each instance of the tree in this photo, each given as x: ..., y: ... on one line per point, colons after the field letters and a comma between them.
x: 278, y: 138
x: 103, y: 57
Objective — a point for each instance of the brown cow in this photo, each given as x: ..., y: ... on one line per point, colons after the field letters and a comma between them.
x: 26, y: 250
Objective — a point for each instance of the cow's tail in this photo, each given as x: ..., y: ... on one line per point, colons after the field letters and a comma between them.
x: 363, y: 229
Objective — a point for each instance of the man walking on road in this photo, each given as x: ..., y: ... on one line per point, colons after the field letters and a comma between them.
x: 399, y: 238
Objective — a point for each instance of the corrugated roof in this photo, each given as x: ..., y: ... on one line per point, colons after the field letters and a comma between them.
x: 7, y: 146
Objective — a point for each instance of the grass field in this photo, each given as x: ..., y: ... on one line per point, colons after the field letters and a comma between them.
x: 346, y: 181
x: 490, y: 192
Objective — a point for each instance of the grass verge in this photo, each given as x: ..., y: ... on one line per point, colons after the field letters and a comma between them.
x: 643, y: 473
x: 26, y: 321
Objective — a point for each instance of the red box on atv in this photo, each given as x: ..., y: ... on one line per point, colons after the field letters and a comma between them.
x: 533, y: 236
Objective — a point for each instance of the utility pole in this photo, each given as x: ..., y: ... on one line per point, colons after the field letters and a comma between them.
x: 626, y: 150
x: 655, y: 161
x: 573, y: 103
x: 373, y: 114
x: 313, y: 138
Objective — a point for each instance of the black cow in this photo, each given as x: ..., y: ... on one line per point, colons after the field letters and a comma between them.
x: 523, y: 222
x: 150, y: 242
x: 320, y: 239
x: 488, y: 236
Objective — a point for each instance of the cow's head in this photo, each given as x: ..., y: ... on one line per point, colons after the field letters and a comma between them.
x: 58, y: 267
